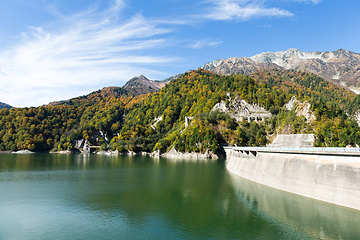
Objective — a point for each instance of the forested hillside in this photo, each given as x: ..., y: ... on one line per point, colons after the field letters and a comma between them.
x: 55, y: 126
x: 155, y: 121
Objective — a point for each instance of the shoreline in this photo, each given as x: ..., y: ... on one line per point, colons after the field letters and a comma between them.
x: 208, y: 155
x: 172, y: 154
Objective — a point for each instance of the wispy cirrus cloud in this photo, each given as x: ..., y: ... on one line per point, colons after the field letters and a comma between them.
x: 92, y: 49
x: 85, y: 51
x: 204, y: 43
x: 309, y: 1
x: 242, y: 10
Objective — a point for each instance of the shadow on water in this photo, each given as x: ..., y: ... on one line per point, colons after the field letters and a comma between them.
x: 318, y: 219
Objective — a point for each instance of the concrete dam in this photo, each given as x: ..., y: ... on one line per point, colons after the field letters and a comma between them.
x: 327, y: 174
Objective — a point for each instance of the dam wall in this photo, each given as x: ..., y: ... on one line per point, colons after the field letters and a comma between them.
x: 322, y: 174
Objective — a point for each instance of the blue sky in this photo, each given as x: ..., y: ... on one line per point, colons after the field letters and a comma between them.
x: 53, y: 50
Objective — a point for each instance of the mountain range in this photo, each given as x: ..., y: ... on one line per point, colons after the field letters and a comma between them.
x: 340, y: 67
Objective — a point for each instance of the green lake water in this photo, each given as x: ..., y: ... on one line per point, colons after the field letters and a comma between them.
x: 53, y: 196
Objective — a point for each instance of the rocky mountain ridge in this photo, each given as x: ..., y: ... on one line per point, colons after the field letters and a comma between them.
x: 236, y: 65
x: 4, y: 105
x: 142, y: 85
x: 340, y: 67
x: 134, y: 87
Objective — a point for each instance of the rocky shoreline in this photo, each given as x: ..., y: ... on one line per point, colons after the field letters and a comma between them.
x: 173, y: 153
x: 18, y: 152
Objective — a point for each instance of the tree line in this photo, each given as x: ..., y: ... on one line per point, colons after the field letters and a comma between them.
x: 130, y: 122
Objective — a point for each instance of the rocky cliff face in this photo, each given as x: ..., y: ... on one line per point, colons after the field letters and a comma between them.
x: 95, y: 139
x: 340, y: 67
x: 301, y: 109
x: 193, y: 155
x: 239, y: 109
x: 356, y: 117
x: 237, y: 65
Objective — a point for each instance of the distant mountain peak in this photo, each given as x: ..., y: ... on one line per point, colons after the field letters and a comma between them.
x: 140, y: 78
x: 135, y: 86
x: 4, y: 105
x: 280, y: 57
x: 341, y: 67
x: 141, y: 85
x: 235, y: 65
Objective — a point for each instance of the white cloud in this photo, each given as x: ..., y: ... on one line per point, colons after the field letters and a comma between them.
x: 204, y: 43
x: 242, y: 10
x: 309, y: 1
x: 90, y: 51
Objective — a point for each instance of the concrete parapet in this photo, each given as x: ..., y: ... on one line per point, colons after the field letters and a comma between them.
x: 331, y: 151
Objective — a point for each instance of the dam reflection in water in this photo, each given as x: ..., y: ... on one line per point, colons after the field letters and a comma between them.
x: 316, y: 218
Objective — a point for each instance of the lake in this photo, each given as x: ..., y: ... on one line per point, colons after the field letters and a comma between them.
x: 75, y: 196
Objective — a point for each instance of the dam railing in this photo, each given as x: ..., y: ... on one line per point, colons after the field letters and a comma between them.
x: 304, y: 150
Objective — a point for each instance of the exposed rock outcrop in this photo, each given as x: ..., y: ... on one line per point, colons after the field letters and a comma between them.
x: 293, y: 101
x: 155, y: 154
x: 109, y: 153
x: 131, y: 153
x: 78, y: 143
x: 301, y: 109
x: 173, y: 153
x: 356, y: 117
x: 82, y: 145
x: 23, y: 152
x: 239, y: 109
x: 97, y: 135
x: 95, y: 139
x: 64, y: 152
x: 156, y: 121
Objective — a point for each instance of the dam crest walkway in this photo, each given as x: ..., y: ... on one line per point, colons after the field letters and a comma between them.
x: 332, y: 151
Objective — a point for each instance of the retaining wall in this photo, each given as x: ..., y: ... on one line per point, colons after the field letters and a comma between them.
x: 330, y: 178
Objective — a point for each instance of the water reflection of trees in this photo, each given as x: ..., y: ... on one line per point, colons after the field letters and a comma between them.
x: 198, y: 198
x: 194, y: 197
